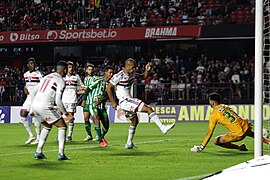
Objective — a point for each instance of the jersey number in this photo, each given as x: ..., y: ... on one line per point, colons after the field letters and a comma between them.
x: 229, y: 116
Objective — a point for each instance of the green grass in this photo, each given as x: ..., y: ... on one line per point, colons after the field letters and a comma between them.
x: 157, y: 156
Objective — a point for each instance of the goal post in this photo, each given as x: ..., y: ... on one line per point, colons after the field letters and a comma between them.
x: 258, y: 101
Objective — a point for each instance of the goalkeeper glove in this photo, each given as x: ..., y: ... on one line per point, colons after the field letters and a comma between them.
x: 197, y: 148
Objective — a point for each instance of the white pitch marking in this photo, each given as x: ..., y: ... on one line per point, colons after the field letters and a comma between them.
x: 87, y: 147
x: 195, y: 177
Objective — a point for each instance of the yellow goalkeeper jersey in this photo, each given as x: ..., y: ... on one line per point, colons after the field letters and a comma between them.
x: 224, y: 115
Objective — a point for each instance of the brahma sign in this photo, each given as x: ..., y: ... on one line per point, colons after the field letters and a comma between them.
x: 84, y: 35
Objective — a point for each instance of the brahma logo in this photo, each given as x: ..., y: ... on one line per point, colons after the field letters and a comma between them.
x: 14, y: 37
x: 157, y: 32
x: 52, y: 35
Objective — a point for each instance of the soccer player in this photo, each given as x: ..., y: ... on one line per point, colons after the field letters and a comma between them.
x: 48, y: 92
x: 222, y: 114
x: 32, y: 77
x: 97, y: 107
x: 88, y: 80
x: 69, y: 99
x: 122, y: 81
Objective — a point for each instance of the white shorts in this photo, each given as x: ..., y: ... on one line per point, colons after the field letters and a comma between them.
x: 48, y: 114
x: 27, y: 103
x: 132, y: 105
x: 70, y: 107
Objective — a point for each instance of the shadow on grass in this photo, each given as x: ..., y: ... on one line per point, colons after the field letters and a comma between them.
x: 134, y: 152
x: 230, y: 153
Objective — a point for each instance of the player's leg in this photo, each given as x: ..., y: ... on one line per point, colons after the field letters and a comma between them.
x: 132, y: 128
x: 105, y: 122
x: 250, y: 133
x: 37, y: 125
x: 154, y: 117
x: 71, y: 109
x: 62, y: 127
x: 226, y: 140
x: 42, y: 139
x: 87, y: 125
x: 95, y: 114
x: 26, y: 124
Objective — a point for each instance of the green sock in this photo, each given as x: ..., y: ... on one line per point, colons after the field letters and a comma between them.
x: 87, y: 126
x: 104, y: 132
x: 98, y: 130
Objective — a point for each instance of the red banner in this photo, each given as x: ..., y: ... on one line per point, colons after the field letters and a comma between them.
x: 84, y: 35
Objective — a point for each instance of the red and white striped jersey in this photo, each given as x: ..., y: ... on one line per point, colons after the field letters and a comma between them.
x: 32, y: 79
x: 72, y: 84
x: 122, y: 82
x: 47, y: 88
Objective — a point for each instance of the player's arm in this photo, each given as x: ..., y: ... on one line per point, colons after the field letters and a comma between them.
x: 110, y: 90
x: 211, y: 128
x: 80, y: 88
x: 58, y: 98
x: 147, y: 69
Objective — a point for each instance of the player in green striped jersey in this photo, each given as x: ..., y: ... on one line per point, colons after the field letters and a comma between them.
x: 88, y: 80
x: 97, y: 106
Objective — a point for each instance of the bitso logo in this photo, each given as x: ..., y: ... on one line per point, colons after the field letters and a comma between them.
x: 2, y: 116
x: 14, y: 37
x: 51, y: 35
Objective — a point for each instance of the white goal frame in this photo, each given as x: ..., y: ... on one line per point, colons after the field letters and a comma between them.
x: 258, y: 101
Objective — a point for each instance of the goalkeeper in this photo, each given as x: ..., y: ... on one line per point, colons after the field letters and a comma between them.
x: 239, y: 127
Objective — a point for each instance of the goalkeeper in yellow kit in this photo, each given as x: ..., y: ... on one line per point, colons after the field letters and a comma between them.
x: 239, y: 127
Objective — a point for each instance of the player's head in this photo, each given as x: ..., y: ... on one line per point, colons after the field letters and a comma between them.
x: 108, y: 73
x: 61, y: 68
x: 31, y: 64
x: 90, y: 69
x: 214, y: 99
x: 130, y: 66
x: 71, y: 67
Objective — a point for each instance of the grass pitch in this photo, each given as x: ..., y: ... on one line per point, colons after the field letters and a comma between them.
x: 158, y: 156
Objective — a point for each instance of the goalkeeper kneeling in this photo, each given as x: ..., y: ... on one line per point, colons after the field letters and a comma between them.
x: 239, y: 127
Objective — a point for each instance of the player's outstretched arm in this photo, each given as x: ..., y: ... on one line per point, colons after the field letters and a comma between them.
x: 109, y: 89
x: 147, y: 69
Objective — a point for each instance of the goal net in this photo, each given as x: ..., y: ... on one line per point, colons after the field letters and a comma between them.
x: 266, y: 72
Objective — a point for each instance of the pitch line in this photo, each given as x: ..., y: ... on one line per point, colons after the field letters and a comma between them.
x: 87, y: 147
x: 196, y: 177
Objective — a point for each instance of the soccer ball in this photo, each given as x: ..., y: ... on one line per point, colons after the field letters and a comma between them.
x: 265, y: 133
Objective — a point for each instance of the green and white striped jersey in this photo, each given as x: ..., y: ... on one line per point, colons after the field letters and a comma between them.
x: 88, y: 81
x: 98, y: 92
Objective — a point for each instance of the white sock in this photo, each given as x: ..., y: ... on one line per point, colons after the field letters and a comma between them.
x: 26, y: 125
x: 154, y: 117
x: 131, y: 133
x: 70, y: 128
x: 37, y: 126
x: 42, y: 139
x: 61, y: 139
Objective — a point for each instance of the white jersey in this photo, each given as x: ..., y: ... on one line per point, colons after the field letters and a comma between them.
x: 47, y: 88
x: 122, y: 82
x: 32, y: 79
x: 70, y: 92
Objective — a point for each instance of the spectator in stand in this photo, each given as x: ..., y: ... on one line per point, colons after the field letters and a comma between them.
x: 236, y: 84
x: 3, y: 84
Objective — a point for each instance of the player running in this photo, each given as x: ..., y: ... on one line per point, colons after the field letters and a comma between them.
x: 239, y: 127
x: 97, y: 107
x: 48, y: 92
x: 32, y: 77
x: 69, y: 99
x: 122, y: 81
x: 88, y: 80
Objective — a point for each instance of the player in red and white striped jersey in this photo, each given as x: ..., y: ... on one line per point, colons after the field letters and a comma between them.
x: 48, y: 92
x: 32, y: 77
x: 73, y: 85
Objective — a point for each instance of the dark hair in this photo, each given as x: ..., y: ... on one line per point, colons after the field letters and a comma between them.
x: 108, y: 67
x: 31, y: 59
x: 63, y: 64
x: 215, y: 97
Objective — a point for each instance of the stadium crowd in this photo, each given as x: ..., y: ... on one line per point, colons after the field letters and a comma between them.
x: 67, y: 14
x: 171, y: 78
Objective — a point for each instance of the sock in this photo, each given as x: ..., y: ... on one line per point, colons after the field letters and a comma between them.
x: 104, y: 132
x: 70, y: 128
x: 98, y: 130
x: 37, y: 126
x: 26, y: 125
x: 61, y: 139
x: 42, y: 139
x: 154, y: 117
x: 131, y: 133
x: 87, y: 127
